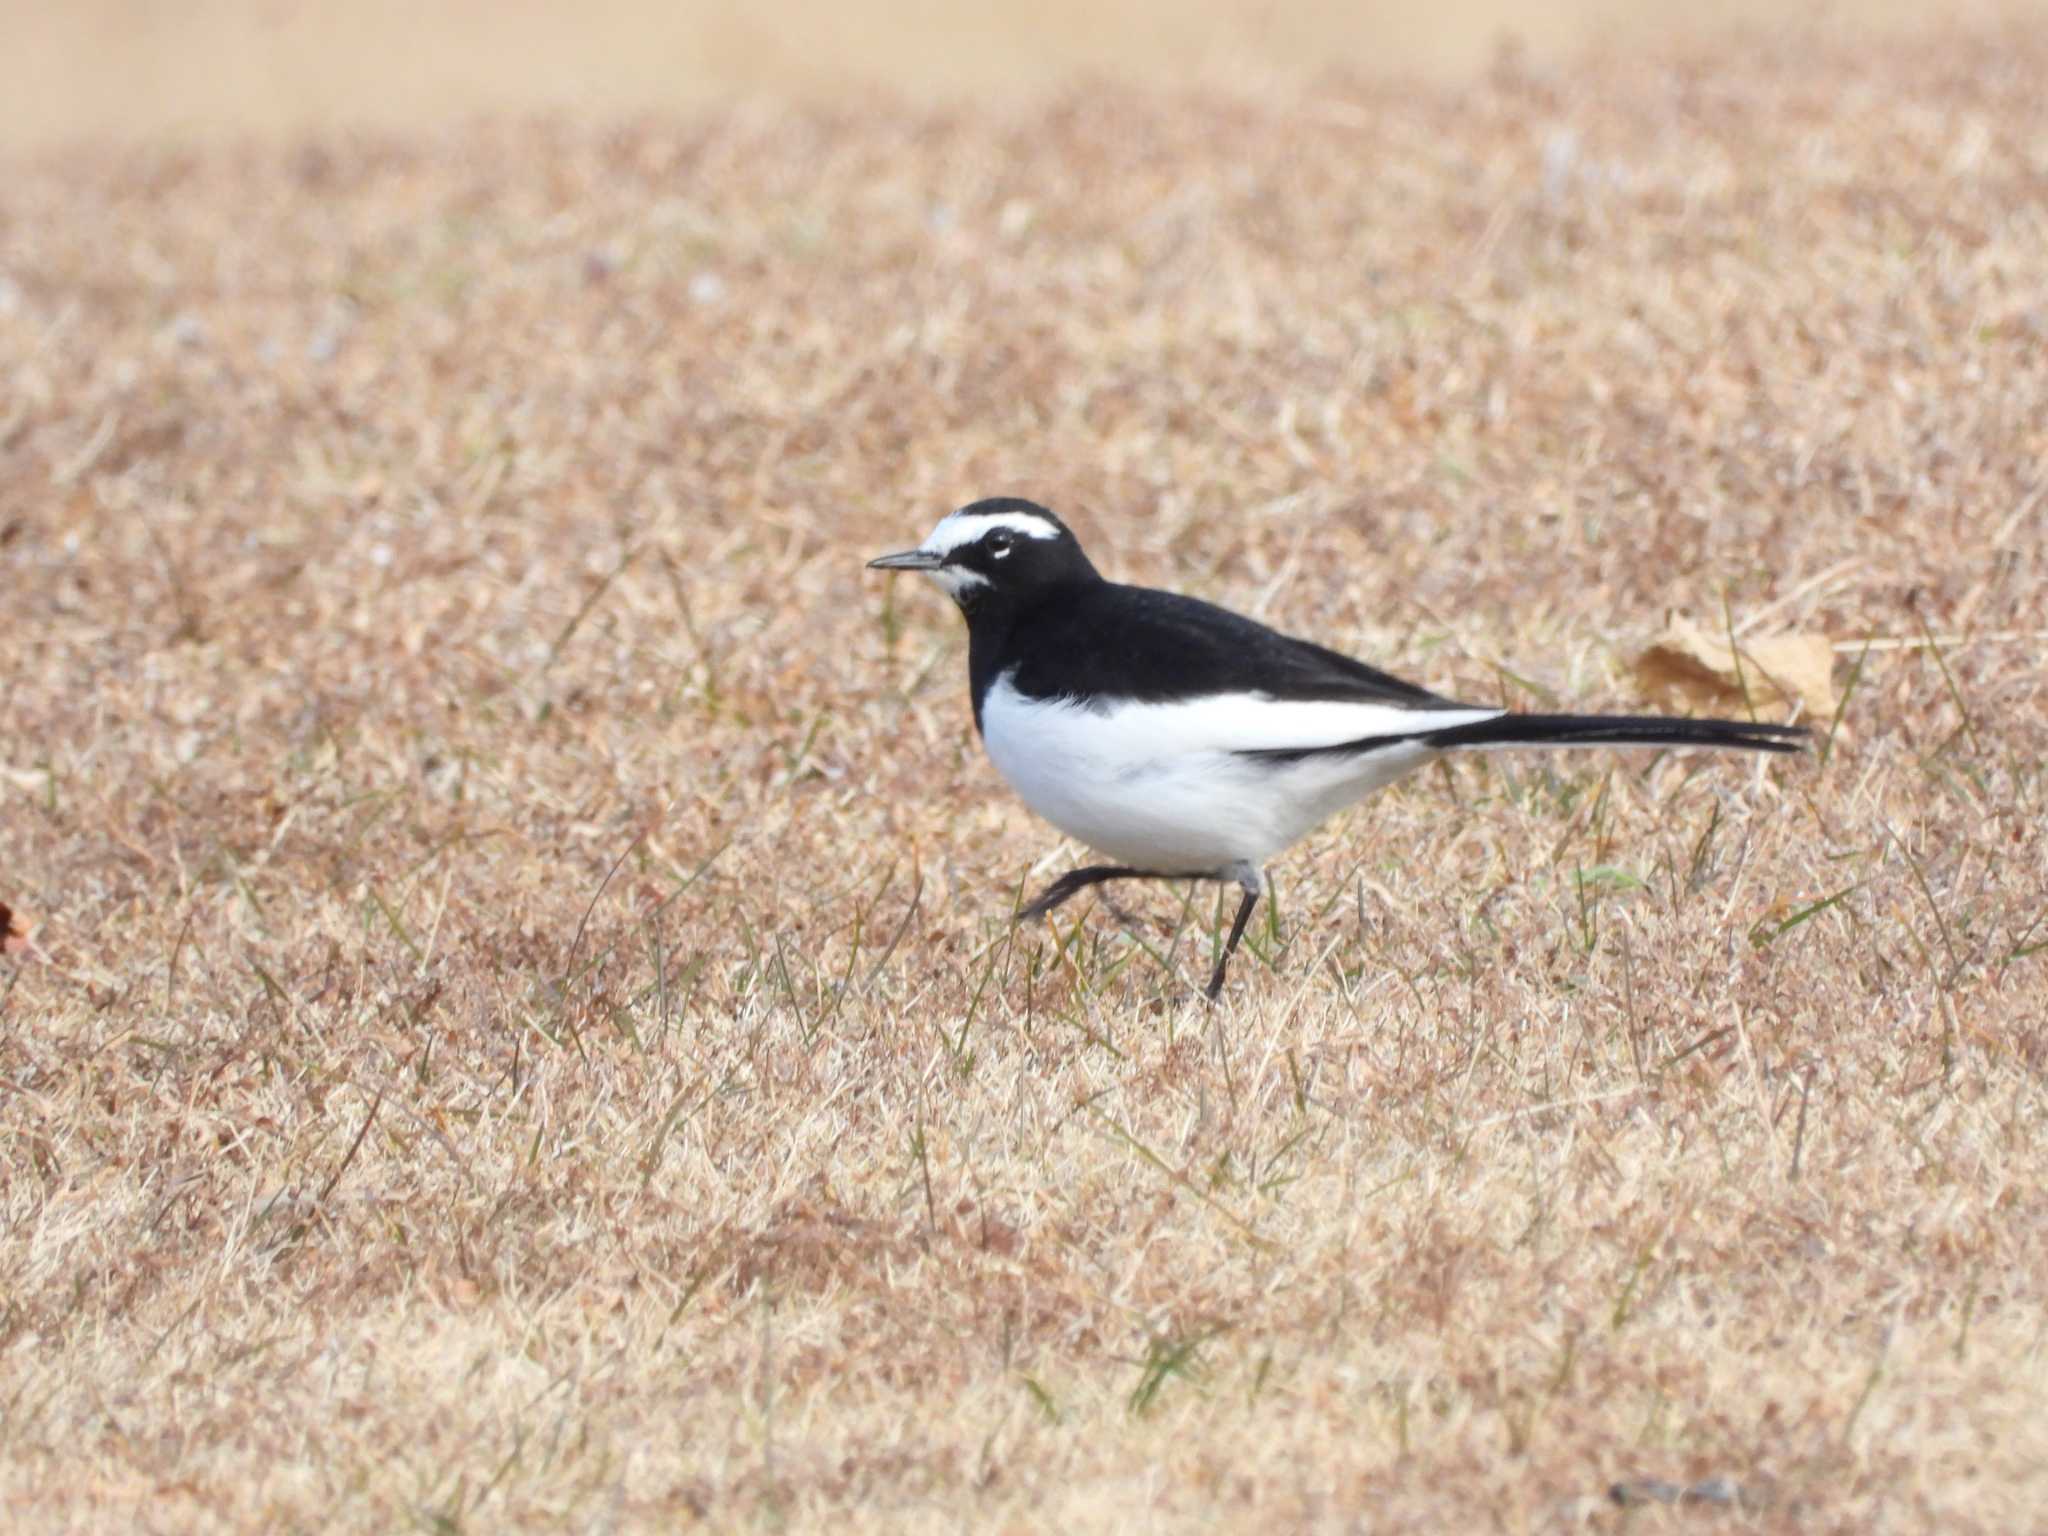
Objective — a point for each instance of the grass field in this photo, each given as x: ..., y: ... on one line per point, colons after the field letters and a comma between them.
x: 125, y: 69
x: 510, y: 1018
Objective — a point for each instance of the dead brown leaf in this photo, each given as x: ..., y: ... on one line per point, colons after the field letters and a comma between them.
x: 15, y: 928
x: 1705, y: 669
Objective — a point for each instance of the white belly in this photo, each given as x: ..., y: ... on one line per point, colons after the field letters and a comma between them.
x: 1167, y: 786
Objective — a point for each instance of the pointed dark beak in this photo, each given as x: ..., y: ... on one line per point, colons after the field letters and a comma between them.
x: 909, y: 560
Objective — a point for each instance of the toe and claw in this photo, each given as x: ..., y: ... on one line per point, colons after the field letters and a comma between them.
x: 1074, y: 881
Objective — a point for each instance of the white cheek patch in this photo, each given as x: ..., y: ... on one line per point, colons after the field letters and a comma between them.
x: 958, y: 528
x: 957, y: 580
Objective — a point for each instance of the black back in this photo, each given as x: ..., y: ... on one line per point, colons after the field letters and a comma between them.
x: 1109, y: 640
x: 1048, y: 618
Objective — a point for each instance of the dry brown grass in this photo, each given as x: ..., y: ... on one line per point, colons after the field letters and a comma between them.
x: 140, y: 68
x: 523, y: 1031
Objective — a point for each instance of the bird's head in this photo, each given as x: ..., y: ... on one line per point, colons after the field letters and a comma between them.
x: 1000, y: 549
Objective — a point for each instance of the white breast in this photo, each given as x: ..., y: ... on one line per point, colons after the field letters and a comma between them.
x: 1165, y: 786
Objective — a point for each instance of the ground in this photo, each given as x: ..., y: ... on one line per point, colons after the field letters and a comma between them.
x: 511, y: 1017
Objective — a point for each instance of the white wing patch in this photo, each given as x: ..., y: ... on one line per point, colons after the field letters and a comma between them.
x: 958, y: 528
x: 1256, y: 722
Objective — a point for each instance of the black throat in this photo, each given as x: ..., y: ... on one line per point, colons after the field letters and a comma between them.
x: 1013, y: 569
x: 997, y: 621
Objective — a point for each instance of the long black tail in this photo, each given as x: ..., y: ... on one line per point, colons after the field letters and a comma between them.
x: 1619, y: 731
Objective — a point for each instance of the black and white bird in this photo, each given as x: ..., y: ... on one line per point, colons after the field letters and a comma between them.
x: 1182, y: 740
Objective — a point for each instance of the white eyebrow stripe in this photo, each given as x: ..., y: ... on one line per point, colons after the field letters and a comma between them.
x: 958, y: 528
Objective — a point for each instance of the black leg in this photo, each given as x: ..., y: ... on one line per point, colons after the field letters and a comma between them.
x: 1244, y: 915
x: 1074, y: 881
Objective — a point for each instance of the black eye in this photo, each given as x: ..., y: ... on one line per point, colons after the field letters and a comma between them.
x: 999, y: 543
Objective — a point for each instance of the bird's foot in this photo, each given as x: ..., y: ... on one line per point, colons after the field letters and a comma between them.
x: 1074, y: 881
